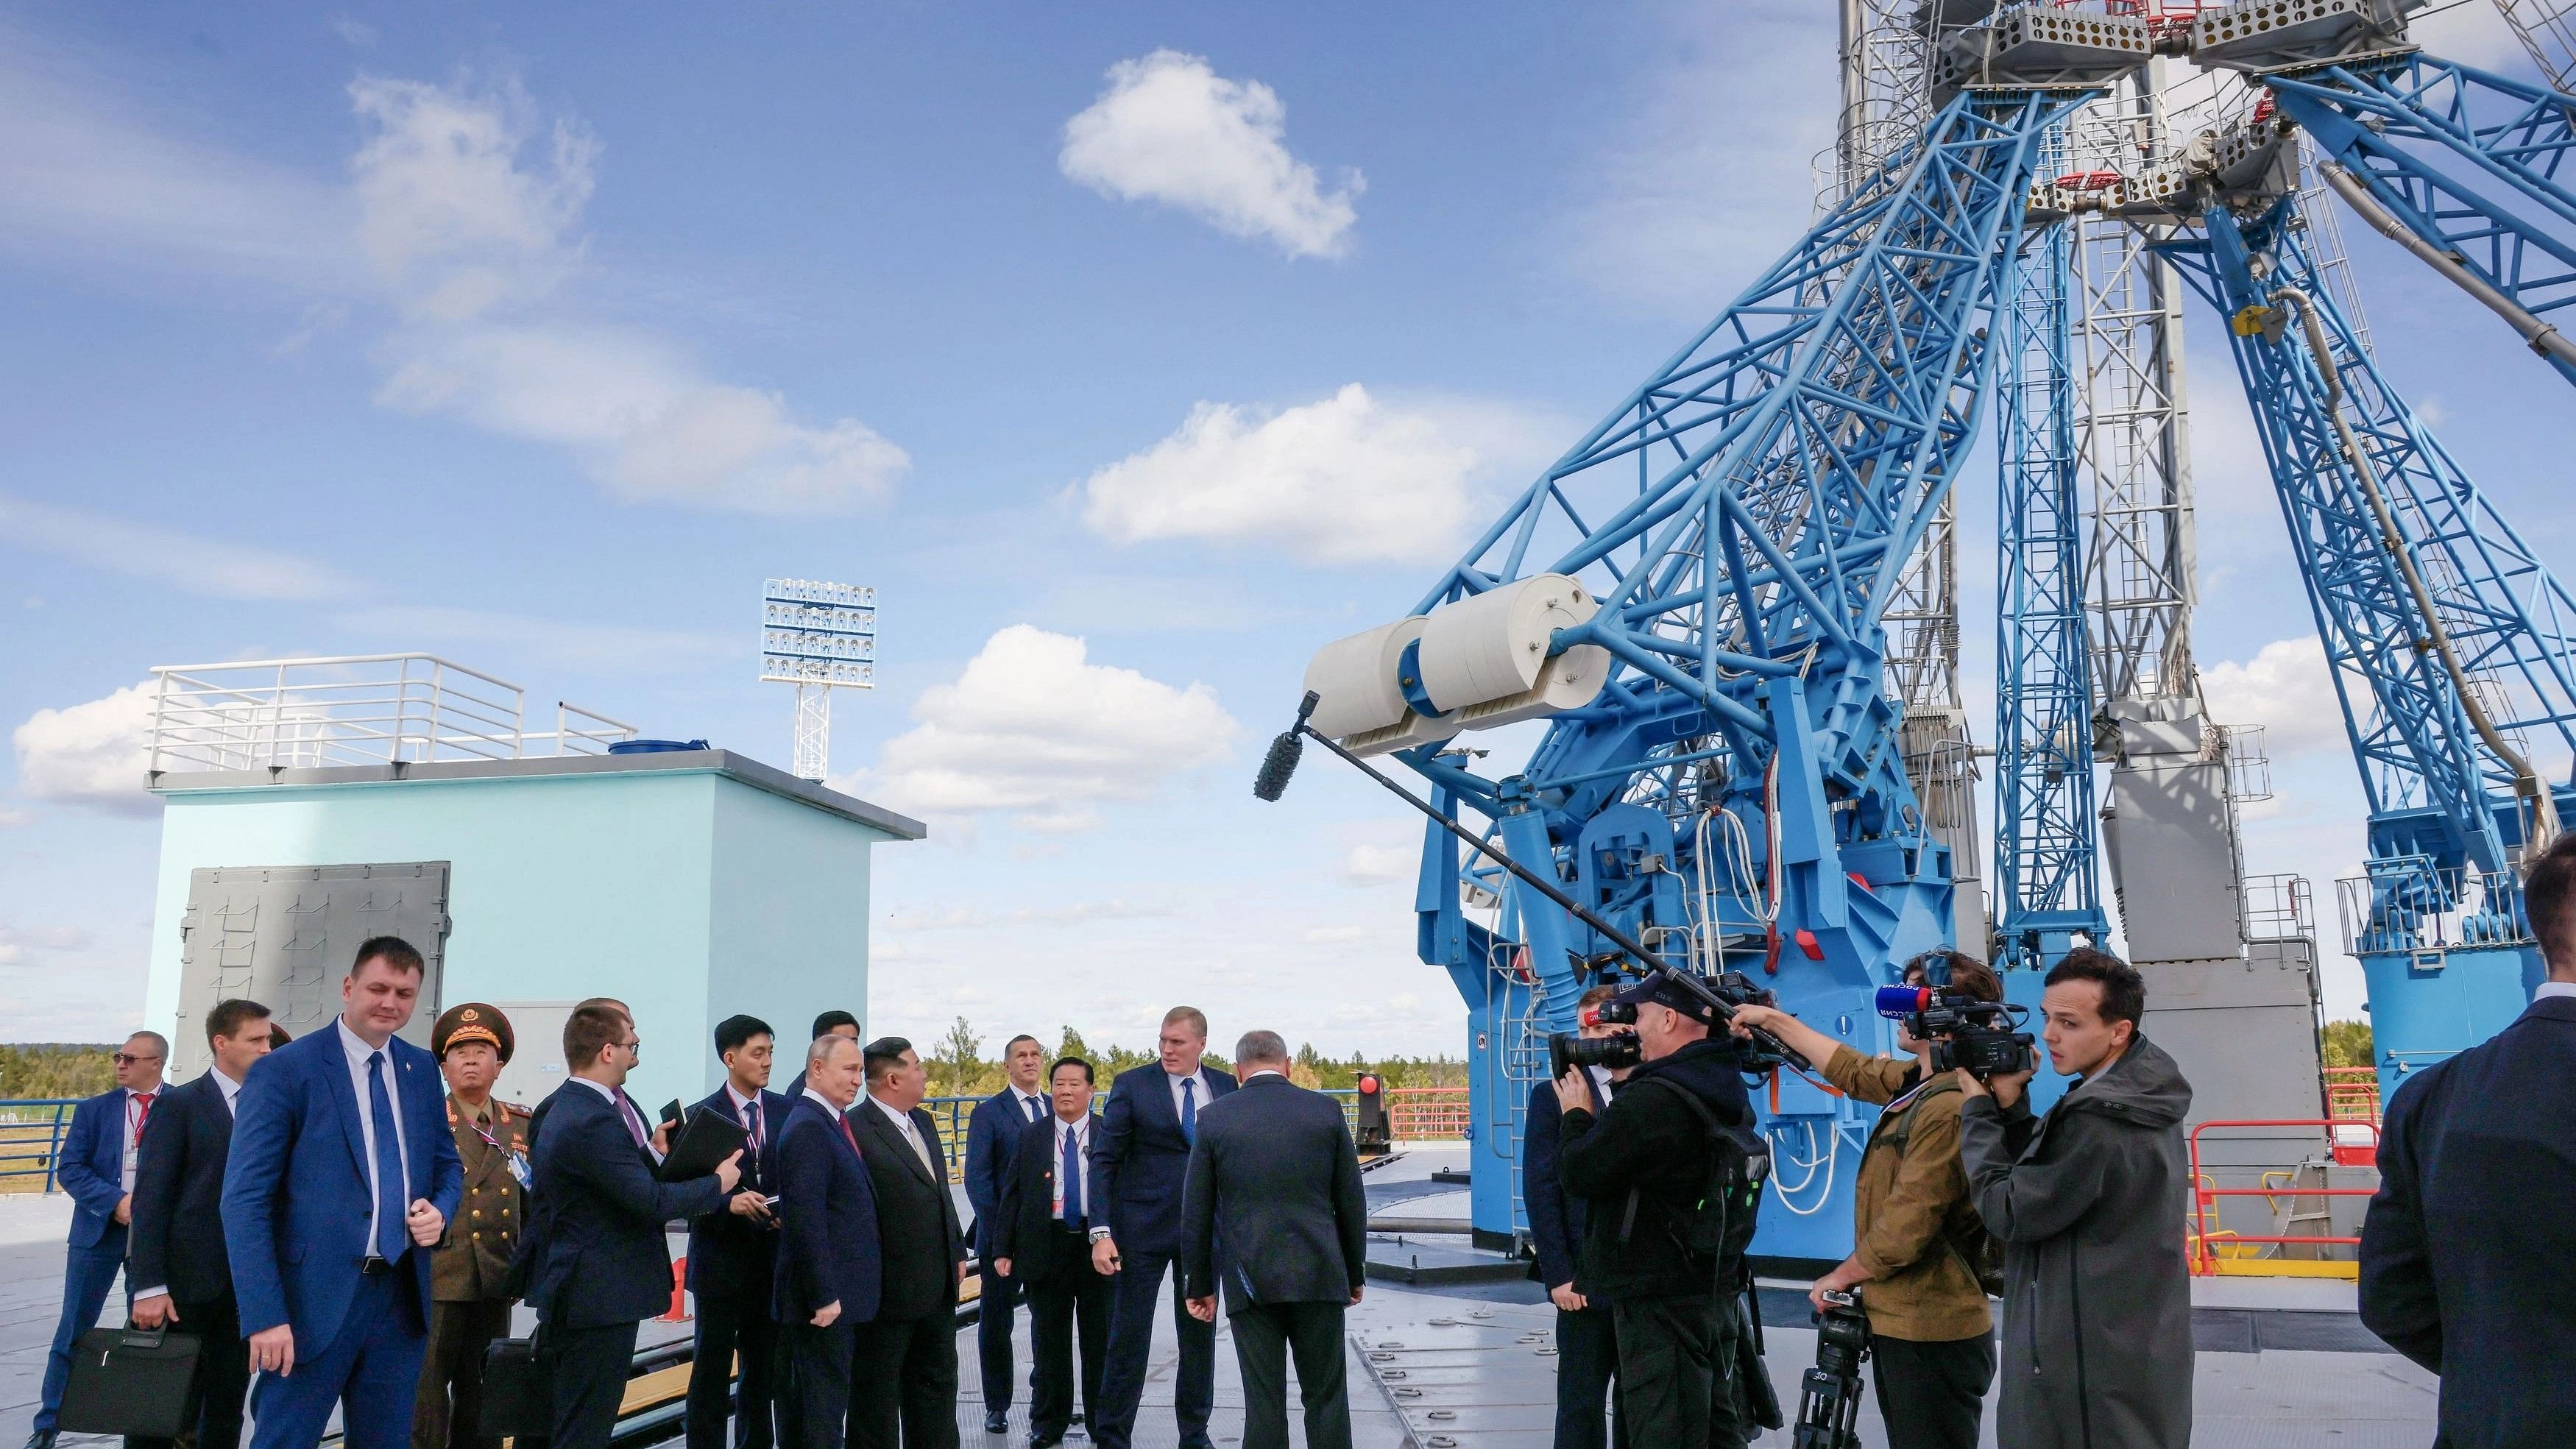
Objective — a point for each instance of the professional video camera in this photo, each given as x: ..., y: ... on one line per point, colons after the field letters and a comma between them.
x: 1963, y: 1031
x: 1567, y: 1050
x: 1829, y: 1396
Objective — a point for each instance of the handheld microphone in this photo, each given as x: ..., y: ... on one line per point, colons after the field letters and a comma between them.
x: 1899, y: 1002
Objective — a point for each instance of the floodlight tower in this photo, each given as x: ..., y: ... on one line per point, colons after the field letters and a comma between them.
x: 818, y: 637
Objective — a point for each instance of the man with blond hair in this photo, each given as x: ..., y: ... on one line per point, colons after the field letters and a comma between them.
x: 1140, y: 1158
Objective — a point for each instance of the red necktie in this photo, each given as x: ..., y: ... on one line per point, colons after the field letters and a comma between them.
x: 142, y: 1114
x: 853, y: 1136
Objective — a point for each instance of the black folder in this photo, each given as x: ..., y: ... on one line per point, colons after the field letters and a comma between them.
x: 705, y: 1137
x: 130, y: 1381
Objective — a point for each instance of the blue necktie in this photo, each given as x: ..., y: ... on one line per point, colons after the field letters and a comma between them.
x: 1190, y: 1109
x: 391, y: 1236
x: 1071, y: 1175
x: 1030, y: 1105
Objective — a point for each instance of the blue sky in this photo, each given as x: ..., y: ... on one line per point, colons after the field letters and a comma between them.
x: 1130, y: 351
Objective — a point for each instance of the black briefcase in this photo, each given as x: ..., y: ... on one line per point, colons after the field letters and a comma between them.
x: 518, y: 1397
x: 130, y: 1381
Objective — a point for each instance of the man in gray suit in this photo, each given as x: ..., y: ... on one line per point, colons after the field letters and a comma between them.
x: 1273, y: 1210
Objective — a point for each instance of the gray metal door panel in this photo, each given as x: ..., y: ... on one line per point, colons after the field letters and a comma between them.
x: 285, y: 936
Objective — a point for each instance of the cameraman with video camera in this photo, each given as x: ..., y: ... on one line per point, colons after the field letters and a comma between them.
x: 1663, y: 1175
x: 2089, y: 1204
x: 1918, y: 1245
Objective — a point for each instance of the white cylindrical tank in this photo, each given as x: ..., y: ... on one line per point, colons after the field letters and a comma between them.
x: 1356, y: 679
x: 1495, y: 644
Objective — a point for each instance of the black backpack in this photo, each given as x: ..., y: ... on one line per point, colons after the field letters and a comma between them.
x: 1722, y: 1223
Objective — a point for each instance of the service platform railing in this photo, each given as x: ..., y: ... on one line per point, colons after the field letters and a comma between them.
x: 354, y: 709
x: 1415, y: 1114
x: 2352, y: 1094
x: 2208, y: 1238
x: 31, y: 1141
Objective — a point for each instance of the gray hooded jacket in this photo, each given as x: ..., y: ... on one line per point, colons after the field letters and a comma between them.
x: 2089, y: 1205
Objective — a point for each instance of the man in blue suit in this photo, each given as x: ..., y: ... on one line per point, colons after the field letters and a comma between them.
x: 98, y: 1165
x: 342, y: 1176
x: 733, y: 1255
x: 991, y: 1134
x: 830, y: 1269
x: 1140, y: 1157
x: 2464, y: 1263
x: 606, y: 1266
x: 1587, y: 1346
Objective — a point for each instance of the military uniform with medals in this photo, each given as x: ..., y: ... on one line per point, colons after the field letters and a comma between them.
x: 468, y: 1306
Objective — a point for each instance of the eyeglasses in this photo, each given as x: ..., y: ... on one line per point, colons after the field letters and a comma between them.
x: 127, y: 1059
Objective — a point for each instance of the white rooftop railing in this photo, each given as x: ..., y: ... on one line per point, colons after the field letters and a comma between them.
x: 355, y: 709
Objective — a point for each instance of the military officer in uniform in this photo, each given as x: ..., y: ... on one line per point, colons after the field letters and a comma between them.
x: 469, y: 1308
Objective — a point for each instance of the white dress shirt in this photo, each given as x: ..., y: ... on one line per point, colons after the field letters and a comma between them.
x: 1032, y: 1107
x: 1081, y: 1129
x: 138, y: 1108
x: 903, y: 1123
x: 819, y: 1100
x: 1602, y: 1083
x: 2554, y: 988
x: 742, y: 1114
x: 357, y: 1050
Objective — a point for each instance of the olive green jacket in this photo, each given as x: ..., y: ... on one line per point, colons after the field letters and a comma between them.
x: 473, y: 1259
x: 1915, y: 1230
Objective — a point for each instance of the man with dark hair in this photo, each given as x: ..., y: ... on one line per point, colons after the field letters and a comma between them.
x: 2464, y: 1263
x: 904, y: 1388
x: 176, y: 1247
x: 733, y: 1255
x: 607, y: 1266
x: 2088, y: 1204
x: 1587, y: 1345
x: 1140, y: 1157
x: 1917, y: 1242
x: 99, y: 1159
x: 1274, y: 1211
x: 469, y: 1275
x: 991, y: 1134
x: 330, y: 1247
x: 830, y: 1023
x: 1041, y: 1237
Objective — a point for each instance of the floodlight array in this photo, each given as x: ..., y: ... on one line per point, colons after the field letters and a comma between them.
x: 818, y: 633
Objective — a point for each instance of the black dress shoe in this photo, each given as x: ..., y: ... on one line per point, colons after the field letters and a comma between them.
x: 997, y: 1421
x: 41, y: 1439
x: 1041, y: 1439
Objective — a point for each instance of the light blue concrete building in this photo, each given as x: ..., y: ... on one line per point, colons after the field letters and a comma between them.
x: 691, y: 884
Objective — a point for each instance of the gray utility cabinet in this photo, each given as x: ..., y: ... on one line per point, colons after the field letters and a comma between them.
x: 285, y: 936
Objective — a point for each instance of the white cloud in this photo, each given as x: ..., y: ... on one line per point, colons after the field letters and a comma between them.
x: 18, y: 943
x: 1170, y: 129
x: 90, y: 754
x: 181, y: 561
x: 1345, y: 480
x: 2286, y: 688
x: 2473, y: 35
x: 447, y: 214
x: 1378, y: 865
x: 1033, y: 728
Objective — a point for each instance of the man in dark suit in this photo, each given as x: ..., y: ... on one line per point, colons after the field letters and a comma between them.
x: 1139, y: 1156
x: 100, y: 1155
x: 904, y: 1387
x: 2464, y: 1266
x: 1587, y: 1344
x: 607, y: 1267
x: 176, y: 1264
x: 342, y: 1176
x: 830, y: 1023
x: 829, y: 1275
x: 1040, y: 1232
x: 469, y: 1274
x: 990, y: 1135
x: 1275, y: 1212
x: 733, y: 1255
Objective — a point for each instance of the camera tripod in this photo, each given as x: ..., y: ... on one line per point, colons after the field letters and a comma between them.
x: 1829, y: 1398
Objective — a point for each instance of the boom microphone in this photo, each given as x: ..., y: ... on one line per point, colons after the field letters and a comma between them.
x: 1899, y: 1002
x: 1285, y: 752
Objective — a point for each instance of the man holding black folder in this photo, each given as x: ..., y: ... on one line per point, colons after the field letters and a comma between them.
x: 733, y: 1254
x: 606, y: 1266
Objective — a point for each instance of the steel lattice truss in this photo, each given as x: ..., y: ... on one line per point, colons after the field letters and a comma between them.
x: 2045, y: 881
x: 2434, y: 789
x: 2505, y: 205
x: 2547, y: 28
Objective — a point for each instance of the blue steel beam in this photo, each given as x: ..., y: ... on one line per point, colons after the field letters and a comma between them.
x: 2046, y: 886
x: 2479, y: 166
x: 1735, y: 795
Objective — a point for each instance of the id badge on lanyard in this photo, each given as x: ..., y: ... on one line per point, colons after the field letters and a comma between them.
x: 513, y: 1158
